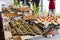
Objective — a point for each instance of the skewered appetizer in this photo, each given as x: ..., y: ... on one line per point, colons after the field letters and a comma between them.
x: 13, y: 31
x: 35, y: 29
x: 12, y: 24
x: 18, y: 30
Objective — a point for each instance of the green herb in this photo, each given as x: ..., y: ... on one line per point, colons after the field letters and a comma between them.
x: 16, y: 2
x: 35, y: 9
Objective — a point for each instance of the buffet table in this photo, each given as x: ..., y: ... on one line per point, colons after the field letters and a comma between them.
x: 7, y: 32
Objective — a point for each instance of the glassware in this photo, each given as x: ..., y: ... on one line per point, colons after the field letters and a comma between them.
x: 20, y: 4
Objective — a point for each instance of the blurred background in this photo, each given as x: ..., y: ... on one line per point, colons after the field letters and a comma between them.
x: 45, y: 4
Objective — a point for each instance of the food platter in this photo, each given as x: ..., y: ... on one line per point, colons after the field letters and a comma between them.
x: 22, y: 28
x: 27, y: 24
